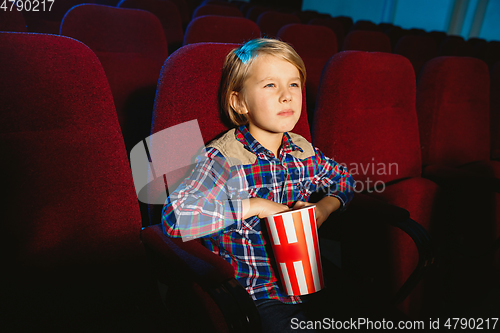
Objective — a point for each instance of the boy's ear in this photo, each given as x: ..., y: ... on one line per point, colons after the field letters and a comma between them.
x: 237, y: 103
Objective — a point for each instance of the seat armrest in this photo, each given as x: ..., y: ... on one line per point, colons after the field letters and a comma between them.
x: 376, y: 212
x: 174, y: 259
x: 455, y: 178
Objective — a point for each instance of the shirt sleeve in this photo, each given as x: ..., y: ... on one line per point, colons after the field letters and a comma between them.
x: 333, y: 179
x: 206, y: 202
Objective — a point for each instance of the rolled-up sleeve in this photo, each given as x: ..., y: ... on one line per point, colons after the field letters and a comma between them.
x: 333, y: 179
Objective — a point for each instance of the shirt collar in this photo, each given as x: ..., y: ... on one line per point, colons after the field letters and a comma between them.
x: 243, y: 135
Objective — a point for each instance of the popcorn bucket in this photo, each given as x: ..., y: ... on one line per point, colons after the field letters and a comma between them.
x: 294, y: 239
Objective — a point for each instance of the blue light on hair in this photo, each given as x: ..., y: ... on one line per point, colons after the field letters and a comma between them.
x: 247, y: 51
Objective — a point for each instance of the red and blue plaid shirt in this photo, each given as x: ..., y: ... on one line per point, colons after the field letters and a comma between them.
x: 208, y: 203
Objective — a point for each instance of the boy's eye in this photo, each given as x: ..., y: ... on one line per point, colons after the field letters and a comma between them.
x: 295, y: 85
x: 269, y: 85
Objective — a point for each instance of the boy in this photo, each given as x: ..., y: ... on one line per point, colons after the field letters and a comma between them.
x: 256, y: 170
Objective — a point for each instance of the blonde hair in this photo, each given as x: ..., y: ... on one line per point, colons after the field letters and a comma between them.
x: 238, y: 63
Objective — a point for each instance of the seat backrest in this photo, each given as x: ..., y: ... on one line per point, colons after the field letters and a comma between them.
x: 365, y: 25
x: 333, y: 24
x: 132, y: 48
x: 188, y: 90
x: 168, y: 14
x: 216, y: 10
x: 254, y: 12
x: 364, y: 40
x: 70, y: 226
x: 271, y: 22
x: 12, y: 21
x: 453, y: 111
x: 48, y: 17
x: 220, y: 29
x: 315, y: 44
x: 455, y: 46
x: 346, y: 21
x: 184, y: 10
x: 365, y: 116
x: 418, y: 49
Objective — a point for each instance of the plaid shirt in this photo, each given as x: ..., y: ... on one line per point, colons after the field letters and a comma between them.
x: 208, y: 203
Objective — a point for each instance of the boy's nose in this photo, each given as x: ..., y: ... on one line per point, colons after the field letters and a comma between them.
x: 286, y: 96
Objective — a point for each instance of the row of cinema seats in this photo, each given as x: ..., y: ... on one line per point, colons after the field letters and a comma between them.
x: 133, y: 45
x: 73, y: 245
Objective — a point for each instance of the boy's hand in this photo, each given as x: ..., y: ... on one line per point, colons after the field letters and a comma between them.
x: 261, y: 208
x: 324, y: 208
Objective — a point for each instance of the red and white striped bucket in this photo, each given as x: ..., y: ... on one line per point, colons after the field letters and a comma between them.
x: 294, y: 239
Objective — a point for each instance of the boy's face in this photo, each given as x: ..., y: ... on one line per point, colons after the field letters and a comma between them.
x: 271, y: 95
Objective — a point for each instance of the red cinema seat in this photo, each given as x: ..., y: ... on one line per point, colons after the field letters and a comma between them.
x: 184, y: 10
x: 418, y: 49
x: 455, y: 46
x: 365, y: 117
x: 220, y: 29
x: 271, y: 22
x: 216, y: 10
x: 12, y: 21
x: 365, y: 25
x: 495, y: 111
x: 71, y: 250
x: 315, y: 44
x: 254, y: 12
x: 346, y: 21
x: 168, y: 14
x: 364, y: 40
x: 454, y: 119
x: 49, y: 16
x: 333, y: 24
x: 131, y: 47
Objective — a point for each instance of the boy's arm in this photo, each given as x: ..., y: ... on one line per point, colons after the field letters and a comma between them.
x: 261, y: 208
x: 206, y: 202
x: 335, y: 182
x: 324, y: 208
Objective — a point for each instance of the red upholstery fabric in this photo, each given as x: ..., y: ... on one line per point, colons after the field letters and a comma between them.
x: 71, y: 251
x: 271, y: 22
x: 453, y: 111
x: 168, y: 14
x: 364, y: 40
x: 365, y: 118
x: 131, y: 47
x: 222, y: 29
x: 315, y: 44
x: 358, y: 108
x: 49, y: 21
x: 455, y: 46
x: 12, y: 21
x: 333, y: 24
x: 495, y: 111
x: 216, y: 10
x: 418, y: 49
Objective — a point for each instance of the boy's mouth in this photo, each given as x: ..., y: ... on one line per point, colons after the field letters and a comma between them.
x: 286, y: 113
